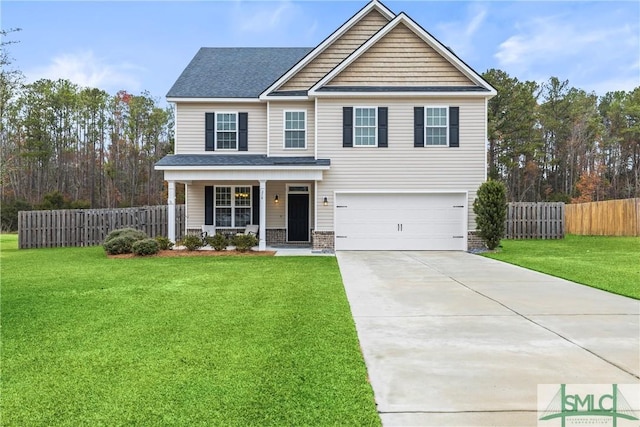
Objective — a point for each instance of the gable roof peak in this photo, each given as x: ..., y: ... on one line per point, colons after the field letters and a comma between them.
x: 364, y: 11
x: 403, y: 18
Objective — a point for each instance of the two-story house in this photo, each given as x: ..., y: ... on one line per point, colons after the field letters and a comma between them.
x: 372, y: 140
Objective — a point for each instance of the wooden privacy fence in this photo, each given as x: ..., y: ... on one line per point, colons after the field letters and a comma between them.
x: 608, y: 218
x: 89, y: 227
x: 544, y: 220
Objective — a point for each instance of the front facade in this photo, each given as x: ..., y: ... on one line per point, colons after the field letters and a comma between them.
x: 372, y: 140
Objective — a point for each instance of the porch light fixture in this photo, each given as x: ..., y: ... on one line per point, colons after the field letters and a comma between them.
x: 276, y: 200
x: 325, y: 201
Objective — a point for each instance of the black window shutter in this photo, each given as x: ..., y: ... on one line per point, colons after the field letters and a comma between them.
x: 209, y: 130
x: 454, y: 126
x: 418, y: 126
x: 347, y: 126
x: 255, y: 201
x: 208, y: 205
x: 243, y: 134
x: 383, y: 128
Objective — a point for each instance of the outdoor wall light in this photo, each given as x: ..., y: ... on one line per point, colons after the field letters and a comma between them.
x: 276, y: 200
x: 325, y: 201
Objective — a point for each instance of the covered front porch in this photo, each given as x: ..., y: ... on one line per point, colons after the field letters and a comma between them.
x: 227, y: 193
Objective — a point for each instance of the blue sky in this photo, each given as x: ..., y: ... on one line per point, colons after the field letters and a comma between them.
x: 145, y: 45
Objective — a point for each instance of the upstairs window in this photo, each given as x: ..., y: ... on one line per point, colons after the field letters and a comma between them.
x: 295, y: 129
x: 365, y: 127
x: 436, y: 125
x: 226, y: 131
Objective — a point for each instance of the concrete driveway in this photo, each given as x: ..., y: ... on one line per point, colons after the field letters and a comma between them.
x: 454, y: 339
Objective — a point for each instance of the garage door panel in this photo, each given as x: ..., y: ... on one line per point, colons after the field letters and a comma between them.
x: 416, y: 221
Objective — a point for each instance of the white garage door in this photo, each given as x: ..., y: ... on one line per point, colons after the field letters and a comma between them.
x: 416, y: 221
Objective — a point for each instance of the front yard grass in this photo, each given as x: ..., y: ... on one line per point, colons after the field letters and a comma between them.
x: 608, y: 263
x: 233, y: 341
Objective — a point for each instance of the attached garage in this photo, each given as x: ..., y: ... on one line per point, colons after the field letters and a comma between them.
x: 401, y: 221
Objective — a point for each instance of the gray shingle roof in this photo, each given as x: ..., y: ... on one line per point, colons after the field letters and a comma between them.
x: 234, y: 72
x: 238, y: 160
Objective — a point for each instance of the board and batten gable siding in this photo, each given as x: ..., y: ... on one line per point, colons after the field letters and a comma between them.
x: 400, y: 58
x: 276, y: 212
x: 276, y: 128
x: 190, y: 119
x: 400, y: 166
x: 352, y: 39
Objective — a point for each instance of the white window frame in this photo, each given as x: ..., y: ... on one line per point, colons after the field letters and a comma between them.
x: 232, y: 206
x: 446, y: 109
x: 284, y: 129
x: 355, y: 109
x: 215, y: 127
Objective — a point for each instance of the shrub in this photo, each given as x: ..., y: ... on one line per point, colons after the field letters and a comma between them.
x: 218, y: 242
x: 145, y: 247
x: 191, y: 242
x: 490, y: 208
x: 121, y: 241
x: 136, y: 234
x: 244, y: 242
x: 120, y: 245
x: 164, y: 243
x: 9, y: 214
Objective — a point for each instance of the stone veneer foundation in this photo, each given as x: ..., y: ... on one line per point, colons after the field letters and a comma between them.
x: 474, y: 241
x: 322, y: 240
x: 276, y: 236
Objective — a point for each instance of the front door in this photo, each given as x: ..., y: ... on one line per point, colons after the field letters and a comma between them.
x: 298, y: 218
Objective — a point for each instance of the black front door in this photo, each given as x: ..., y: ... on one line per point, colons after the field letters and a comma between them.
x: 298, y: 214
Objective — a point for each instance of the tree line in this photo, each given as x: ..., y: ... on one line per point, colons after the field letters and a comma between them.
x: 65, y: 146
x: 553, y: 142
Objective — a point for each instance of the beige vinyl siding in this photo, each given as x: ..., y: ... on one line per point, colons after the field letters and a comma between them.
x: 276, y: 123
x: 352, y: 39
x: 401, y: 166
x: 400, y: 58
x: 276, y: 212
x: 190, y: 122
x: 195, y: 205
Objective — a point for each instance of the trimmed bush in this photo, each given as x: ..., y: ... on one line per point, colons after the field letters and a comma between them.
x: 120, y: 245
x: 164, y: 243
x: 490, y: 208
x: 145, y: 247
x: 136, y: 234
x: 244, y: 242
x: 121, y: 241
x: 218, y: 242
x: 191, y: 242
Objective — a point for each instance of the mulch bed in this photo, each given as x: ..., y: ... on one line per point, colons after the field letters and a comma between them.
x: 186, y: 253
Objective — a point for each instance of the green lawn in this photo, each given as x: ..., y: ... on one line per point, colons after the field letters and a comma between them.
x: 609, y: 263
x: 246, y: 341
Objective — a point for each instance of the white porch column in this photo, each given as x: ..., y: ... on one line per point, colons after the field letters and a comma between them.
x: 262, y: 245
x: 171, y: 211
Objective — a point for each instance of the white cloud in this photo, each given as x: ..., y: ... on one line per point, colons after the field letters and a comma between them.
x: 554, y: 38
x: 87, y: 70
x: 461, y: 35
x: 257, y: 18
x: 589, y: 51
